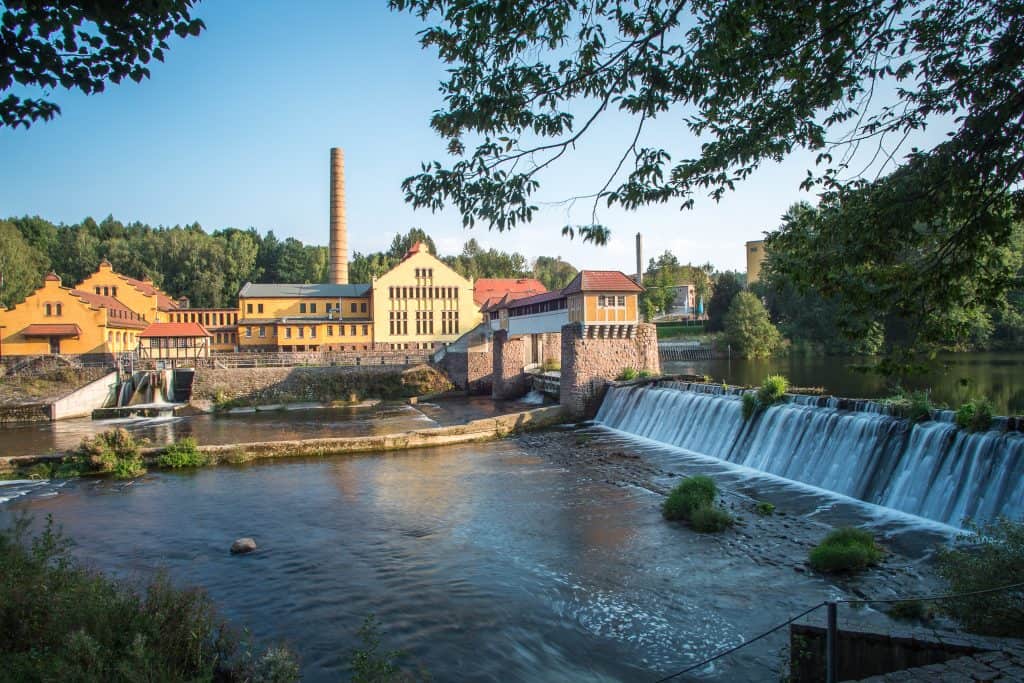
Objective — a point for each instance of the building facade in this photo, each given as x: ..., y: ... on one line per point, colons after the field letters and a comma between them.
x: 755, y: 259
x: 300, y: 317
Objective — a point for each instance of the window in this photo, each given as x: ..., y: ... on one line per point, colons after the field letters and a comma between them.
x: 330, y: 330
x: 259, y: 308
x: 352, y: 330
x: 366, y: 330
x: 248, y: 331
x: 312, y: 308
x: 98, y: 290
x: 287, y: 333
x: 753, y: 250
x: 353, y: 307
x: 106, y: 291
x: 362, y: 308
x: 263, y: 331
x: 60, y: 309
x: 312, y: 332
x: 113, y: 291
x: 302, y: 308
x: 248, y: 308
x: 600, y: 301
x: 622, y: 300
x: 47, y: 310
x: 221, y: 318
x: 302, y: 332
x: 341, y: 330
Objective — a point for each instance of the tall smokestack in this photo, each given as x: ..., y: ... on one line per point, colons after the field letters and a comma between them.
x: 639, y: 260
x: 338, y: 250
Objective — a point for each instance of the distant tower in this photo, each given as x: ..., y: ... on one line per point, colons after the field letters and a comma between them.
x: 639, y: 260
x: 338, y: 250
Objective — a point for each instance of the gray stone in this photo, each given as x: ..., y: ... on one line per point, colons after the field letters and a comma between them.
x: 242, y: 546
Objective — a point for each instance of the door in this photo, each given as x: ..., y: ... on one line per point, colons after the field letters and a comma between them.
x: 54, y: 344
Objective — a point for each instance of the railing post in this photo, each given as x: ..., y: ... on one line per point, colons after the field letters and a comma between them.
x: 832, y: 646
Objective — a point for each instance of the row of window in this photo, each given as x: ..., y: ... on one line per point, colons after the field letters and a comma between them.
x: 206, y: 318
x: 611, y: 301
x: 120, y: 337
x: 542, y: 307
x: 423, y: 292
x: 398, y: 322
x: 225, y: 338
x: 172, y: 343
x: 449, y: 322
x: 424, y: 272
x: 311, y: 307
x: 300, y: 331
x: 105, y: 291
x: 53, y: 309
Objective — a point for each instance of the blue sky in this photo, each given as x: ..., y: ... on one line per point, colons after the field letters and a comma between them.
x: 234, y: 130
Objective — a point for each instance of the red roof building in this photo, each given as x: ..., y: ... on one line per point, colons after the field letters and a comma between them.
x: 175, y: 330
x: 487, y: 290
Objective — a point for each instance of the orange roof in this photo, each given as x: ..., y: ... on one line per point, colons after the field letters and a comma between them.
x: 52, y: 330
x: 175, y: 330
x: 488, y: 290
x: 163, y: 300
x: 602, y: 281
x: 415, y: 249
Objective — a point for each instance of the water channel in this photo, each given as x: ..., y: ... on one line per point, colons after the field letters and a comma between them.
x: 957, y: 377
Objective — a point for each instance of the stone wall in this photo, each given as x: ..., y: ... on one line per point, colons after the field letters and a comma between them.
x: 28, y: 412
x: 275, y: 385
x: 593, y: 355
x: 552, y: 347
x: 469, y: 370
x: 508, y: 379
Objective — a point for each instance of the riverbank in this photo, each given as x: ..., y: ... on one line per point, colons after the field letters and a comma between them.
x: 485, y: 429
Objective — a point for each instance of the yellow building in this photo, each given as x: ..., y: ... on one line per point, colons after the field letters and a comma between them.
x: 61, y: 320
x: 421, y: 303
x: 221, y: 323
x: 141, y: 296
x: 596, y: 297
x: 304, y: 317
x: 755, y: 258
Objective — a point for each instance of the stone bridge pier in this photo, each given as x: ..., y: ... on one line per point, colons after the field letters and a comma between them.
x: 591, y: 355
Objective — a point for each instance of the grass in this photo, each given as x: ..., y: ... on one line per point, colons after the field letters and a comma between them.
x: 750, y: 405
x: 627, y: 374
x: 679, y: 330
x: 975, y: 416
x: 764, y: 509
x: 62, y: 622
x: 693, y: 501
x: 710, y: 519
x: 772, y: 390
x: 551, y: 365
x: 184, y: 453
x: 915, y: 406
x: 845, y: 550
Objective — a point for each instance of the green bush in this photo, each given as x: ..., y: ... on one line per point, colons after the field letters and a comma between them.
x: 750, y: 405
x: 748, y: 328
x: 114, y: 451
x: 975, y: 416
x: 128, y: 468
x: 627, y: 374
x: 773, y: 390
x: 63, y: 622
x: 709, y: 519
x: 915, y: 406
x: 184, y: 453
x: 764, y: 509
x: 845, y: 550
x: 645, y: 374
x: 994, y: 558
x: 689, y: 495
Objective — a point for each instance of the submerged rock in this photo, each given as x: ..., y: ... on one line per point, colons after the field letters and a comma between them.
x: 242, y: 546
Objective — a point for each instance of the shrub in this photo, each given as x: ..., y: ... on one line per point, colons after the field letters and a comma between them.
x: 645, y: 374
x: 764, y: 509
x: 184, y: 453
x: 750, y: 405
x: 368, y: 662
x: 113, y: 451
x: 128, y: 468
x: 773, y: 390
x: 911, y: 610
x: 709, y: 519
x: 627, y: 374
x: 748, y: 329
x: 845, y: 550
x: 689, y: 495
x: 974, y: 416
x: 994, y: 558
x: 64, y: 622
x: 915, y: 406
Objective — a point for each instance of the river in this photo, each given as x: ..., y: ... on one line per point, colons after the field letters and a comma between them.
x: 957, y: 377
x: 482, y: 561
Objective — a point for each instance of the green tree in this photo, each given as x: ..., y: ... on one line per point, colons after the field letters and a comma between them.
x: 753, y: 82
x: 553, y: 272
x: 21, y: 266
x: 659, y: 292
x: 749, y: 329
x: 81, y: 46
x: 363, y: 268
x: 727, y: 285
x: 401, y: 243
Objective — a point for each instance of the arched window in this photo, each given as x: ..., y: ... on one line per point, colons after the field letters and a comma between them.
x: 60, y: 309
x: 47, y: 310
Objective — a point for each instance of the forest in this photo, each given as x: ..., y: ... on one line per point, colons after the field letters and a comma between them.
x: 210, y: 268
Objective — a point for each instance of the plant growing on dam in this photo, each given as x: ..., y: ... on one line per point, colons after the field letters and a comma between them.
x: 974, y: 416
x: 993, y: 556
x: 750, y: 405
x: 915, y: 406
x: 62, y: 621
x: 693, y: 501
x: 184, y: 453
x: 772, y: 390
x: 114, y: 451
x: 845, y: 550
x: 627, y: 374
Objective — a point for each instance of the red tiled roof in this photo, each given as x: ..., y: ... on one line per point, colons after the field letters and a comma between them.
x: 490, y: 290
x: 416, y: 248
x: 175, y: 330
x: 52, y: 330
x: 602, y: 281
x: 163, y: 300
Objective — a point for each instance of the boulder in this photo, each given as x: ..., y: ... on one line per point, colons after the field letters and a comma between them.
x: 242, y: 546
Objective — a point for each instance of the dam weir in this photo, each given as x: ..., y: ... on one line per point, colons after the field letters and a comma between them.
x: 931, y: 469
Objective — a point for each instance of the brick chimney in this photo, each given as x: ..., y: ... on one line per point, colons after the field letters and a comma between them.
x: 338, y: 249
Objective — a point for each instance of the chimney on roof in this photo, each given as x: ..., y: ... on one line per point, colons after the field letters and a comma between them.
x: 639, y: 260
x: 338, y: 250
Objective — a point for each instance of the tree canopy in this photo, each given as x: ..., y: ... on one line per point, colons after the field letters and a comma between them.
x: 748, y: 328
x: 81, y: 46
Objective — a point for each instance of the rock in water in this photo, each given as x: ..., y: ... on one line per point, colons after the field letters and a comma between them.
x: 242, y: 546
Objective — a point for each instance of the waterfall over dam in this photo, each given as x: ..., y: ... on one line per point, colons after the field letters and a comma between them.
x: 930, y: 469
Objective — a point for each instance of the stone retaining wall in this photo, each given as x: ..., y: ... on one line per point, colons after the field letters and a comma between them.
x: 27, y: 412
x: 590, y: 360
x: 508, y: 380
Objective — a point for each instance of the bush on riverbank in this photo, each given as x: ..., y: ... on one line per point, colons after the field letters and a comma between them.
x: 994, y: 558
x: 975, y: 416
x: 845, y: 550
x: 113, y: 451
x: 184, y: 453
x: 62, y: 622
x: 693, y: 501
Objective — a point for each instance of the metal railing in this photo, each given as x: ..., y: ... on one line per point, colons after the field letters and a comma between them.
x: 316, y: 359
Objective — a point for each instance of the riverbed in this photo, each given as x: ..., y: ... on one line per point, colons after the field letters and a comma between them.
x: 956, y: 377
x: 523, y: 559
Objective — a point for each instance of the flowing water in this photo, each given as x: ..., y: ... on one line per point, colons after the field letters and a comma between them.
x: 931, y: 469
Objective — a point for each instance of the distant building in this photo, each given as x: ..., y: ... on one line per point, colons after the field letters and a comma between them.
x: 174, y: 341
x: 299, y: 317
x: 755, y: 259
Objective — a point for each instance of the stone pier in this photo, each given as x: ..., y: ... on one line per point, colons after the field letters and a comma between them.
x: 594, y: 354
x: 508, y: 378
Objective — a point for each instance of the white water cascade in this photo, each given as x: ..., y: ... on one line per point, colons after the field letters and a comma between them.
x: 931, y: 469
x: 147, y: 388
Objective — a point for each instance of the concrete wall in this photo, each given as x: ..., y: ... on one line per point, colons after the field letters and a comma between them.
x: 592, y: 355
x: 81, y: 402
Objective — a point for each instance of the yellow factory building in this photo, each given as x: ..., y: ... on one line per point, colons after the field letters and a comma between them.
x: 755, y: 259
